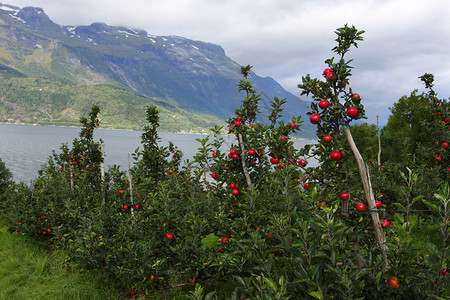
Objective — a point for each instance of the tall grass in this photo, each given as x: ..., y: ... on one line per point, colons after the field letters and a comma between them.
x: 27, y: 272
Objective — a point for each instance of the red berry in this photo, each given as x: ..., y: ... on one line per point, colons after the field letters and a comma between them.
x: 169, y: 236
x: 306, y: 186
x: 232, y: 185
x: 251, y: 152
x: 378, y: 204
x: 237, y: 123
x: 293, y: 125
x: 385, y: 223
x: 214, y: 175
x: 356, y: 96
x: 224, y: 240
x: 235, y: 156
x: 133, y: 293
x: 120, y: 191
x: 438, y: 158
x: 233, y: 151
x: 235, y: 192
x: 125, y: 207
x: 445, y: 144
x: 214, y: 154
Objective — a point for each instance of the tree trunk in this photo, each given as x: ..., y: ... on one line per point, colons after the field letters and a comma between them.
x: 365, y: 177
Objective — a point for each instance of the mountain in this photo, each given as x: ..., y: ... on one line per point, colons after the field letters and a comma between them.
x: 177, y: 73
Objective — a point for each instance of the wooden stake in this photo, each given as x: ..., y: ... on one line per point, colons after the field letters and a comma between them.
x: 379, y: 144
x: 131, y: 186
x: 102, y: 171
x: 365, y: 177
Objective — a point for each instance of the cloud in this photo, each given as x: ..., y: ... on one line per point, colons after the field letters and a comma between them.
x: 287, y: 39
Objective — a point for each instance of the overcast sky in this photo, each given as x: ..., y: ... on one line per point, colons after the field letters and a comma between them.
x: 287, y: 39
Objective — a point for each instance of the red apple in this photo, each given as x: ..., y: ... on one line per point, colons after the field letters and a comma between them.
x: 385, y: 223
x: 232, y: 186
x: 233, y: 151
x: 327, y: 138
x: 329, y: 76
x: 323, y: 104
x: 169, y: 236
x: 393, y: 282
x: 356, y: 96
x: 302, y: 162
x: 445, y: 144
x: 251, y: 152
x: 438, y: 158
x: 237, y: 123
x: 378, y: 204
x: 344, y: 196
x: 274, y: 160
x: 326, y: 71
x: 235, y: 192
x: 360, y: 207
x: 352, y: 112
x: 335, y: 156
x: 315, y: 118
x: 235, y: 156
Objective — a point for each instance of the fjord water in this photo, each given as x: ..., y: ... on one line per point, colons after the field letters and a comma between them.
x: 25, y: 148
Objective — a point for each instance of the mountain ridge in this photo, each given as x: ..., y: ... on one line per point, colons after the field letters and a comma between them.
x: 191, y: 75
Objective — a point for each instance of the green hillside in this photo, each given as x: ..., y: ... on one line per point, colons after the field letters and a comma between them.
x: 51, y: 102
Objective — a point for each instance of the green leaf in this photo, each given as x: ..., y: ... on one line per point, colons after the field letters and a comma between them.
x: 271, y: 283
x: 317, y: 294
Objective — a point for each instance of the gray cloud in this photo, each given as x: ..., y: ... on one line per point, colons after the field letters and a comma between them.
x: 287, y: 39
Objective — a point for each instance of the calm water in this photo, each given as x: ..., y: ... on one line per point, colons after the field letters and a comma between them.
x: 25, y: 148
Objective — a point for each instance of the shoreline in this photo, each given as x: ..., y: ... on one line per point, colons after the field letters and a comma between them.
x: 121, y: 129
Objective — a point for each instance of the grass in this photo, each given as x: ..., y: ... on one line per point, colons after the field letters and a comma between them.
x: 28, y: 272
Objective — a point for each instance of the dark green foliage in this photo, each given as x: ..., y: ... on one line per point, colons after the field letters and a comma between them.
x: 253, y: 231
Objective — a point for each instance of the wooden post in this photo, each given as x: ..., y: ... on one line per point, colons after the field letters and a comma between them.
x: 379, y: 144
x: 71, y: 177
x: 102, y: 172
x: 365, y: 177
x: 131, y: 186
